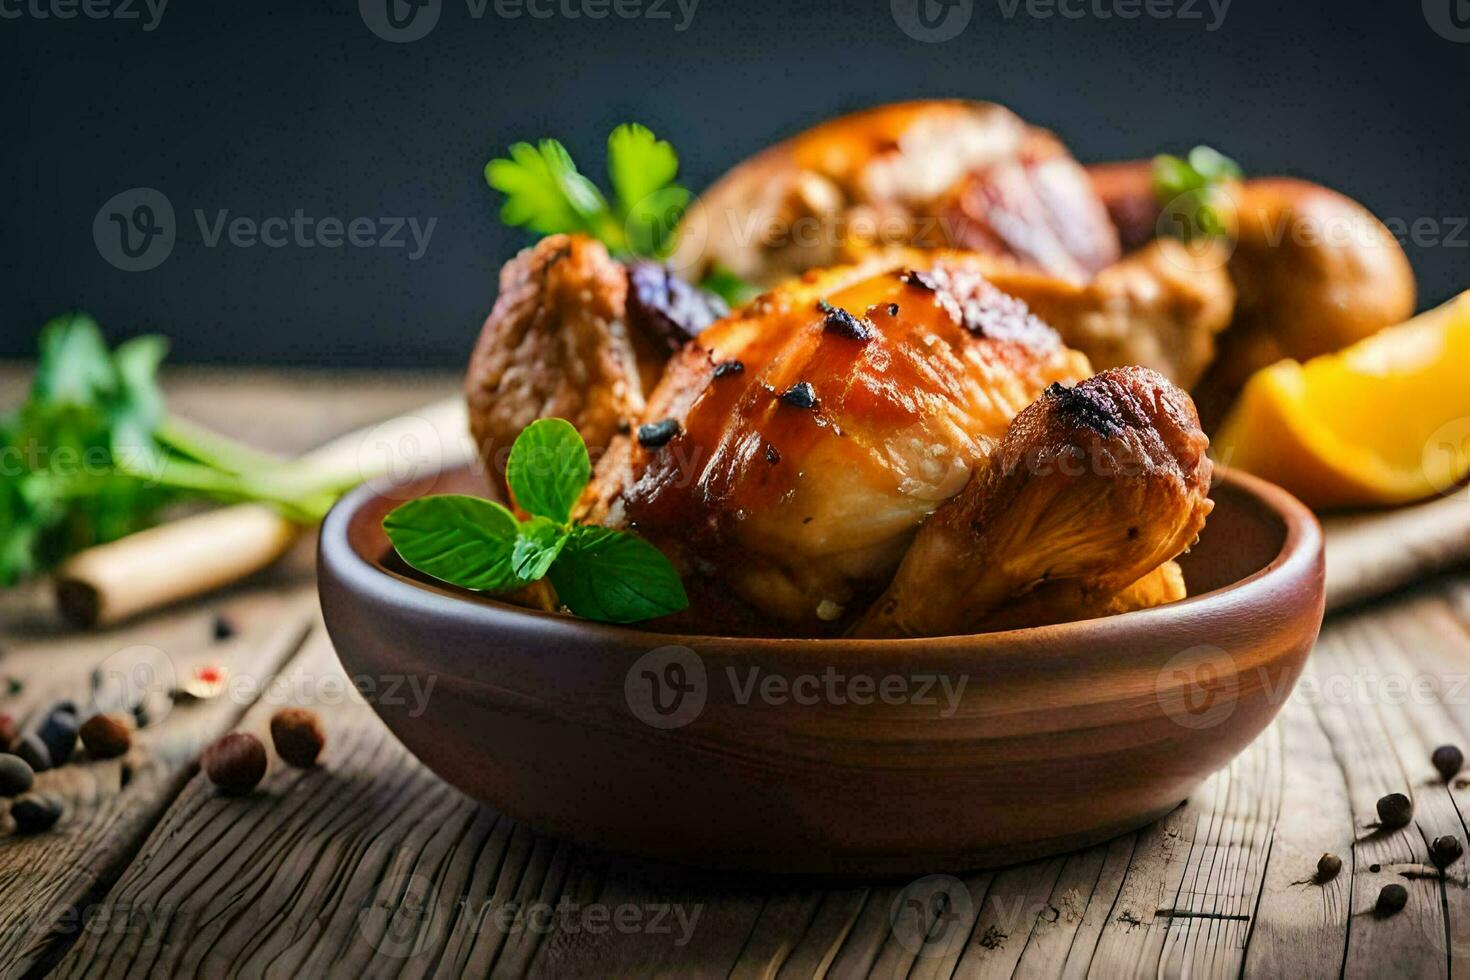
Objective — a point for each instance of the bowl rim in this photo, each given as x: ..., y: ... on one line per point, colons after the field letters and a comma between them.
x: 1301, y: 549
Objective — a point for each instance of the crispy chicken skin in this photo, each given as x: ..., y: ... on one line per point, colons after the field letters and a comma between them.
x: 820, y: 426
x: 942, y: 173
x: 557, y: 344
x: 1095, y: 485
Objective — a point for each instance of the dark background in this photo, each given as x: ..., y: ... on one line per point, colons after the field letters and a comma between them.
x: 266, y: 107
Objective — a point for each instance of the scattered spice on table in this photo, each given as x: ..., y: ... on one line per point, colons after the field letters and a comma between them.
x: 1448, y: 759
x: 235, y: 763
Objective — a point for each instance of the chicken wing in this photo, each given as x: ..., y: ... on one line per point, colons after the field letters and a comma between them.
x: 793, y: 449
x: 1095, y: 485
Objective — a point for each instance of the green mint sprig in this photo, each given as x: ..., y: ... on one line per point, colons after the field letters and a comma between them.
x: 1192, y: 192
x: 599, y: 573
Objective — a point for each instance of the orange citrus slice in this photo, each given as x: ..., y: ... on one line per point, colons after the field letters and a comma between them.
x: 1385, y: 421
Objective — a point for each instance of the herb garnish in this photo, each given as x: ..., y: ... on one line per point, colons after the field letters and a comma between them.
x: 92, y: 455
x: 546, y: 193
x: 599, y: 573
x: 1193, y: 192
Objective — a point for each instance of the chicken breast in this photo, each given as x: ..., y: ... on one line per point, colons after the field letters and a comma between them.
x: 792, y: 450
x: 1094, y: 486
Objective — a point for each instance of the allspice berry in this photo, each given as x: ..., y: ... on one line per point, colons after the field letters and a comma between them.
x: 1328, y: 867
x: 1448, y: 759
x: 107, y: 736
x: 235, y: 763
x: 298, y: 737
x: 1392, y: 899
x: 34, y: 813
x: 1394, y: 811
x: 15, y: 776
x: 1445, y: 851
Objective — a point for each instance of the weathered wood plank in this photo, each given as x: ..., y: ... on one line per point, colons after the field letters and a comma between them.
x: 1300, y: 927
x: 49, y: 882
x: 1363, y: 747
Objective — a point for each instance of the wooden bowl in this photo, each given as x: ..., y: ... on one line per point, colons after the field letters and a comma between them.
x: 835, y: 756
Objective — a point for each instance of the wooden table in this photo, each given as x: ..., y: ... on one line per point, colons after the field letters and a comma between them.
x: 370, y: 866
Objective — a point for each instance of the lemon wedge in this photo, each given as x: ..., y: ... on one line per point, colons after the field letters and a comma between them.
x: 1385, y: 421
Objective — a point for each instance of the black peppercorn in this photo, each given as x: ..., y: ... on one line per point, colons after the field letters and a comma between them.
x: 1448, y: 759
x: 1392, y: 899
x: 773, y: 455
x: 59, y: 732
x: 728, y: 367
x: 800, y: 395
x: 223, y: 628
x: 656, y: 435
x: 30, y: 748
x: 15, y: 776
x: 1328, y: 867
x: 1445, y: 851
x: 33, y: 813
x: 1394, y: 811
x: 842, y: 323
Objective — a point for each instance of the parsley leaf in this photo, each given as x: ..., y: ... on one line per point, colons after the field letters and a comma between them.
x: 547, y: 194
x: 544, y: 190
x: 1193, y: 192
x: 548, y: 469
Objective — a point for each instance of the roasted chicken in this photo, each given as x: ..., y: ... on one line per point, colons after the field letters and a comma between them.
x: 793, y: 449
x: 935, y: 174
x: 969, y: 175
x: 1093, y: 488
x: 576, y: 335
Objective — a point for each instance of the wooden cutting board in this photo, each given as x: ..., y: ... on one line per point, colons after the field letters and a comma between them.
x: 1371, y: 553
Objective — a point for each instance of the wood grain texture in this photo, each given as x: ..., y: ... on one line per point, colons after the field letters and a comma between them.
x: 370, y: 866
